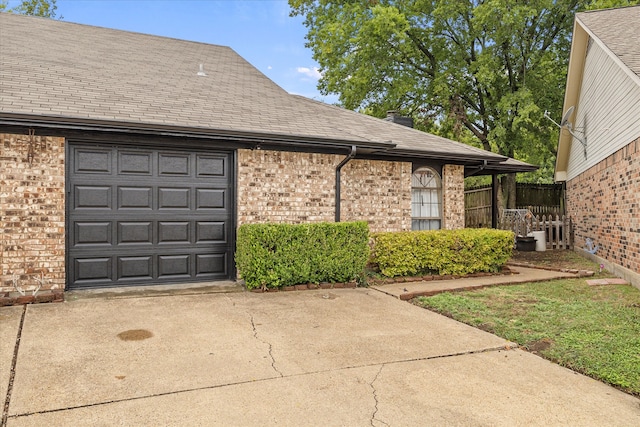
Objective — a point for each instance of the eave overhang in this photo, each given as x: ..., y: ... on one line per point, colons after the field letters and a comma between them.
x: 479, y: 163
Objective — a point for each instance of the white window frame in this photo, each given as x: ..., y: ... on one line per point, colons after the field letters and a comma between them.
x: 426, y: 199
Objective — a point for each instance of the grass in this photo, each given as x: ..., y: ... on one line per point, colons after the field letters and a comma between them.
x: 594, y: 330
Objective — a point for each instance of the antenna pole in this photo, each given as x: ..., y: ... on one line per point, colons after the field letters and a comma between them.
x: 546, y: 114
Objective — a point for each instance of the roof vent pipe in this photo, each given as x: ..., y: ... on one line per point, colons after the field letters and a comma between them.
x: 201, y: 70
x: 338, y: 169
x: 394, y: 117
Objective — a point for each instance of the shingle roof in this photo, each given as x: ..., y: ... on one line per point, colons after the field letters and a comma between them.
x: 52, y: 69
x: 619, y: 30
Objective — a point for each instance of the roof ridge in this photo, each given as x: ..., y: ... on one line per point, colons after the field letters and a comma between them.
x: 131, y: 32
x: 607, y: 9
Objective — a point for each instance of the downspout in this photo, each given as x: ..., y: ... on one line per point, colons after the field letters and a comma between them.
x: 338, y: 169
x: 480, y: 169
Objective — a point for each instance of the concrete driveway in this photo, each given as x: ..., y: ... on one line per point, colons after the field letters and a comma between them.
x: 345, y: 357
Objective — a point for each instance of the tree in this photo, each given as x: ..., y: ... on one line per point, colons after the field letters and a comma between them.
x: 44, y: 8
x: 479, y: 71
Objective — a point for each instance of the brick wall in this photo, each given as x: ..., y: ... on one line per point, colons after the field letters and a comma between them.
x: 604, y: 202
x: 453, y: 197
x: 276, y: 186
x: 379, y: 192
x: 32, y: 209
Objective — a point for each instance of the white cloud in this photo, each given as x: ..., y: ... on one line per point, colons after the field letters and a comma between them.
x: 269, y: 67
x: 314, y: 72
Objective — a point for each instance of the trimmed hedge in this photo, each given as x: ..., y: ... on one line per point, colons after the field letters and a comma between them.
x: 274, y: 255
x: 465, y: 251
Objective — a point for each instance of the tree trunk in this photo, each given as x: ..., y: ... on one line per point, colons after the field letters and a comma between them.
x: 508, y: 184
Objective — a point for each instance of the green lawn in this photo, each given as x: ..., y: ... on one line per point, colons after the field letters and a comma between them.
x: 594, y: 330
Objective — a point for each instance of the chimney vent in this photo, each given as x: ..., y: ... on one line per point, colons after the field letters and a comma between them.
x: 393, y: 117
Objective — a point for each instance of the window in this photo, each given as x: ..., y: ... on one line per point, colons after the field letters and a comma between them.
x: 426, y: 196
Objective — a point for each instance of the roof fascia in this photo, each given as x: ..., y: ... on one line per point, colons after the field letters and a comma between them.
x: 609, y: 52
x: 466, y: 158
x: 250, y: 139
x: 382, y: 150
x: 575, y: 72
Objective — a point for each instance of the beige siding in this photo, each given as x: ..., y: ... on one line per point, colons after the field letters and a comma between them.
x: 608, y: 116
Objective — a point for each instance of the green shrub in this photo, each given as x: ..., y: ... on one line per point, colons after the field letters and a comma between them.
x: 411, y: 253
x: 274, y: 255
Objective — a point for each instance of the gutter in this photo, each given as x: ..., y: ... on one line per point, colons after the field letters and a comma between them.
x: 478, y: 170
x: 264, y: 140
x: 344, y: 161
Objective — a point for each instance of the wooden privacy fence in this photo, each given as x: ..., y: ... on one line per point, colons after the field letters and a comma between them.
x: 477, y: 207
x: 540, y: 199
x: 558, y: 229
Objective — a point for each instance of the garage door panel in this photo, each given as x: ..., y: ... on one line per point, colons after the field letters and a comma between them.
x: 211, y: 232
x: 93, y: 269
x: 174, y: 266
x: 211, y: 265
x: 135, y: 233
x: 135, y: 267
x: 209, y: 198
x: 211, y: 166
x: 135, y: 198
x: 174, y: 165
x: 92, y: 197
x: 174, y: 232
x: 148, y: 216
x: 92, y: 233
x: 174, y: 198
x: 93, y: 161
x: 135, y: 163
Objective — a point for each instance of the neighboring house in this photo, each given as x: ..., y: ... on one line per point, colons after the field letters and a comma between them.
x: 130, y: 159
x: 601, y: 162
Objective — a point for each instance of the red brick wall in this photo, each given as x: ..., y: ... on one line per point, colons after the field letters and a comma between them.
x: 276, y: 186
x: 378, y: 192
x: 32, y: 209
x: 604, y: 203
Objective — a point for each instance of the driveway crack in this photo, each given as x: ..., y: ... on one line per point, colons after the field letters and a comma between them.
x: 255, y: 335
x: 376, y: 400
x: 12, y: 375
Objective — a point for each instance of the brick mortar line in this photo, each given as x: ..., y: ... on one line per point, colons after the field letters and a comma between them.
x: 12, y: 374
x: 507, y: 347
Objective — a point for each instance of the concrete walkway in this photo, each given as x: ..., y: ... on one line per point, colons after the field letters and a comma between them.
x: 345, y: 357
x: 406, y: 291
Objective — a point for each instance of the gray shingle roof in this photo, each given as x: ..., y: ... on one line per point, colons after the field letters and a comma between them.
x: 54, y: 69
x: 619, y: 30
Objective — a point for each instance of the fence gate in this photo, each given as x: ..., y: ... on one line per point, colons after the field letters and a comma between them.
x: 558, y: 230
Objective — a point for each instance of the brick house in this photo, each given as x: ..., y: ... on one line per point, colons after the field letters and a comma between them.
x: 600, y: 162
x: 130, y: 159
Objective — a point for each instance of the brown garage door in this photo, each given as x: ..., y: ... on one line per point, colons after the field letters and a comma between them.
x: 148, y: 216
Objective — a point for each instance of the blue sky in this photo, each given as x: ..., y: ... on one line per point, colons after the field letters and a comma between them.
x: 261, y: 31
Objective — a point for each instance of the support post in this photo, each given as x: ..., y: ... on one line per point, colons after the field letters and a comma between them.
x: 494, y: 201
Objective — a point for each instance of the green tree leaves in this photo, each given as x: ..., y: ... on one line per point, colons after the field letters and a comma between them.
x: 44, y: 8
x: 480, y: 71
